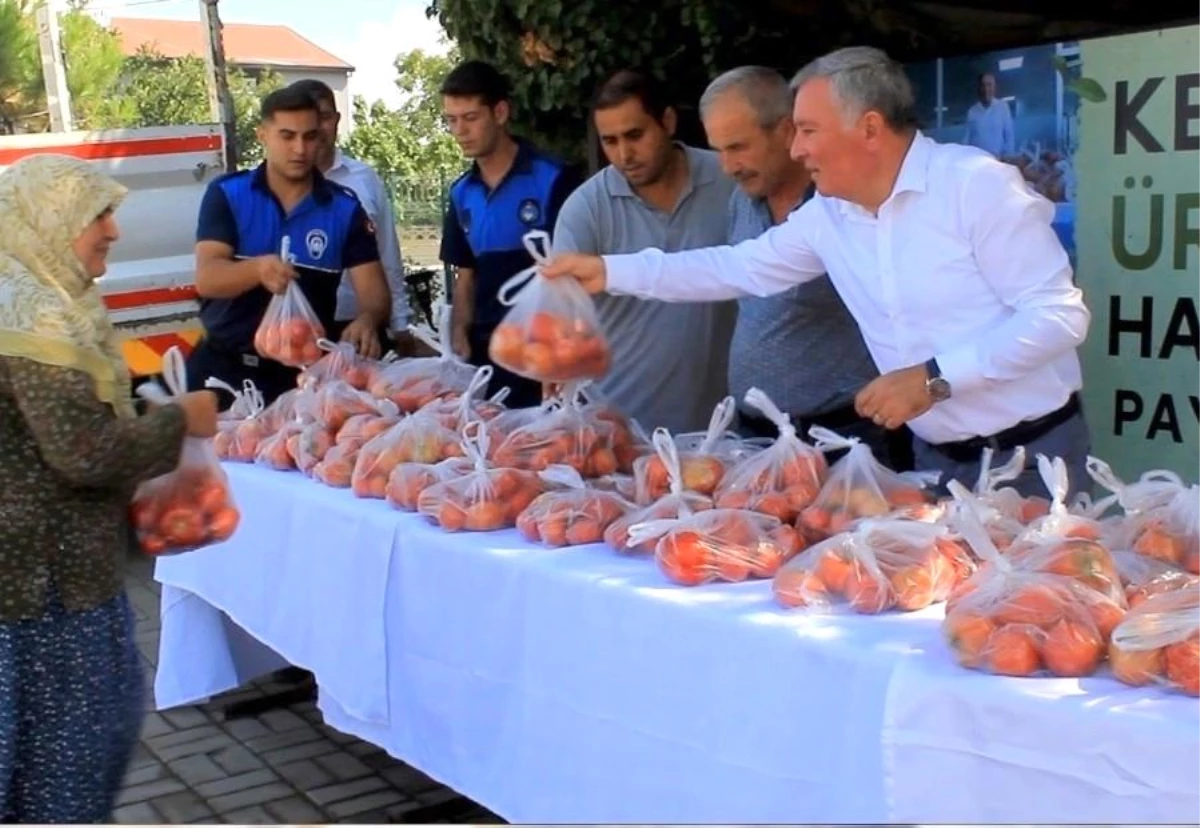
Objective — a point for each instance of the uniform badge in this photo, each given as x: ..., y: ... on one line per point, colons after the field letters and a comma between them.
x: 316, y: 241
x: 529, y: 211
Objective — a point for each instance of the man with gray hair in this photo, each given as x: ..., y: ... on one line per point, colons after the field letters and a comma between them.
x: 801, y: 346
x: 944, y: 256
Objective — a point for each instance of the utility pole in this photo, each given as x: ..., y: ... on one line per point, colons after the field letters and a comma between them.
x: 220, y: 100
x: 54, y: 73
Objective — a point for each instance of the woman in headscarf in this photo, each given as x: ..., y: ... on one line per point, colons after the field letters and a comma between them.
x: 72, y: 451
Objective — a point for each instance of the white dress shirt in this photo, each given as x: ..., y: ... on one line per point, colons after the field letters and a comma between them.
x: 369, y: 187
x: 960, y: 264
x: 991, y: 128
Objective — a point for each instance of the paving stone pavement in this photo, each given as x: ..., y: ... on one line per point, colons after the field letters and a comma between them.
x: 282, y: 766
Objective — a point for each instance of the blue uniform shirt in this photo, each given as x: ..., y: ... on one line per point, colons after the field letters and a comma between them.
x: 483, y: 227
x: 329, y: 232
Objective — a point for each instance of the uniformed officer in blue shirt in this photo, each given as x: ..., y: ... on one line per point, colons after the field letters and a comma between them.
x: 243, y: 219
x: 510, y: 189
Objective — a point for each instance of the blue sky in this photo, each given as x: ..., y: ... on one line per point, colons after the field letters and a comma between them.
x: 369, y: 37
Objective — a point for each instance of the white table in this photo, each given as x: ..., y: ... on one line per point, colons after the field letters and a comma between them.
x: 579, y: 686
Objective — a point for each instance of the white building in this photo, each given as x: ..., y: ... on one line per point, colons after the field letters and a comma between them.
x: 251, y: 48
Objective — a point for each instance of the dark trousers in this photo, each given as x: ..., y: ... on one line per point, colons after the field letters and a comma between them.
x: 209, y: 359
x: 893, y: 449
x: 523, y: 393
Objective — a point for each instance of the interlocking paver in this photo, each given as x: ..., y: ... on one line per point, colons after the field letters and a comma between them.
x: 185, y: 806
x: 233, y: 784
x: 282, y: 766
x: 251, y: 796
x: 296, y: 810
x: 140, y: 813
x: 343, y: 766
x: 304, y: 775
x: 345, y: 790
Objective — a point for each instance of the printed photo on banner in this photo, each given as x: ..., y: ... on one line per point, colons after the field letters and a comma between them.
x: 1020, y: 105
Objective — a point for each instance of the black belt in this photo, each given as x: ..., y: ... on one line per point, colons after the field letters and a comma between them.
x: 1023, y: 433
x: 832, y: 420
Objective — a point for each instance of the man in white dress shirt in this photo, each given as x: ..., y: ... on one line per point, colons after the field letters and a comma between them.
x: 989, y: 122
x: 371, y: 191
x: 943, y: 255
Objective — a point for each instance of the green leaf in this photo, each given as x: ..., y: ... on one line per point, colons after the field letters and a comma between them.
x: 1088, y: 89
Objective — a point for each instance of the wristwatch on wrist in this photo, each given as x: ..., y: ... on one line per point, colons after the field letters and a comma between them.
x: 936, y: 385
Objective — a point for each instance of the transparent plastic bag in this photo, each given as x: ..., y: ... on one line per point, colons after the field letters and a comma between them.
x: 418, y: 438
x: 413, y: 383
x: 703, y: 459
x: 241, y: 428
x: 1159, y: 642
x: 782, y: 479
x: 730, y: 545
x: 628, y: 440
x: 880, y: 564
x: 1017, y: 622
x: 859, y: 486
x: 361, y: 428
x: 1145, y: 577
x: 283, y: 410
x: 1162, y: 515
x: 551, y: 332
x: 483, y: 500
x: 289, y: 329
x: 274, y: 452
x: 336, y: 468
x: 408, y: 481
x: 454, y: 411
x: 1088, y: 561
x: 190, y: 506
x: 339, y: 362
x: 676, y: 504
x: 567, y: 435
x: 309, y: 444
x: 337, y: 401
x: 1062, y: 521
x: 572, y: 515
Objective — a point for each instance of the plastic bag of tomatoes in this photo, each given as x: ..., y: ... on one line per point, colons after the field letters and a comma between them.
x: 408, y: 481
x: 730, y: 545
x: 242, y: 427
x: 191, y: 506
x: 418, y: 438
x: 1015, y: 621
x: 1061, y: 520
x: 569, y: 434
x: 551, y: 333
x: 781, y: 479
x: 676, y: 504
x: 1158, y: 642
x: 703, y: 458
x: 412, y: 383
x: 879, y: 565
x: 290, y: 329
x: 858, y: 486
x: 571, y: 515
x: 483, y: 500
x: 1162, y: 515
x: 340, y: 362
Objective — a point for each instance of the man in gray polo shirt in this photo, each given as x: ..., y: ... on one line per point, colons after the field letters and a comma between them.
x: 670, y: 361
x: 801, y: 346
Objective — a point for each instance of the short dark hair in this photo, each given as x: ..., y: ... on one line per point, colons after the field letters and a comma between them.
x: 319, y: 91
x: 477, y: 79
x: 287, y: 99
x: 630, y: 84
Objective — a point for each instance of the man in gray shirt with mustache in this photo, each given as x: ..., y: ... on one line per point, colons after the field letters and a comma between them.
x: 801, y: 346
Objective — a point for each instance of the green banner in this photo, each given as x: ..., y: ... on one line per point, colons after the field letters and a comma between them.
x: 1137, y: 238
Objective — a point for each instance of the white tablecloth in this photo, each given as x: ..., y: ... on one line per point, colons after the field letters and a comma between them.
x: 579, y: 686
x: 568, y: 685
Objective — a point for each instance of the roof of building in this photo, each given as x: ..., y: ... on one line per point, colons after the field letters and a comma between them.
x: 246, y: 44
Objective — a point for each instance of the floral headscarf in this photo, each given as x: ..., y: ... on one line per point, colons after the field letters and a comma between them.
x: 50, y: 310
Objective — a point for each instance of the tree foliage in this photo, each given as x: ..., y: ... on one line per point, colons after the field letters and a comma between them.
x: 408, y: 143
x: 20, y: 69
x: 555, y: 52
